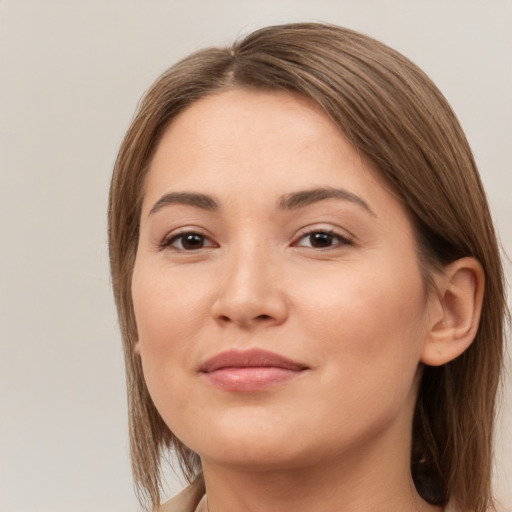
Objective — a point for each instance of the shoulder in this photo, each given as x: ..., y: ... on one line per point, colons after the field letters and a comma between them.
x: 188, y: 500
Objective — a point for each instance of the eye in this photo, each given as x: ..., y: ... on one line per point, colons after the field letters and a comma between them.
x: 322, y: 240
x: 188, y: 241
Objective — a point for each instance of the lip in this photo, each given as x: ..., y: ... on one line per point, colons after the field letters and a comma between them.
x: 249, y: 370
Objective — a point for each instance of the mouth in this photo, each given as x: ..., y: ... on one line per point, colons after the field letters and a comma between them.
x: 250, y: 370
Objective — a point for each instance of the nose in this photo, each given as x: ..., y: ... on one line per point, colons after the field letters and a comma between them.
x: 251, y: 292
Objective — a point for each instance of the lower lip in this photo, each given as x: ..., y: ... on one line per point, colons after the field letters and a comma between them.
x: 250, y: 379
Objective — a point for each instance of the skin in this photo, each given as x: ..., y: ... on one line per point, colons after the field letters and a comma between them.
x: 353, y: 310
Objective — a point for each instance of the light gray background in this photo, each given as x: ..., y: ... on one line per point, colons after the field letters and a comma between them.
x: 71, y: 73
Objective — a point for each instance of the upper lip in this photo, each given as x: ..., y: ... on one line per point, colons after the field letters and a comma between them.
x: 252, y: 358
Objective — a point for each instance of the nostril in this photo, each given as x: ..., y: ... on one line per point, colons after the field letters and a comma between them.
x: 227, y: 319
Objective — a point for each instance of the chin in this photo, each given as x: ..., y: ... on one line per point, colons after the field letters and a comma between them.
x: 256, y: 445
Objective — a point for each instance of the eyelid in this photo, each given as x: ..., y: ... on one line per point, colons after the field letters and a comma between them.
x: 170, y: 238
x: 345, y: 238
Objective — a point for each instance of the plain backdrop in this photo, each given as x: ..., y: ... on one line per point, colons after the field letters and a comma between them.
x: 71, y: 74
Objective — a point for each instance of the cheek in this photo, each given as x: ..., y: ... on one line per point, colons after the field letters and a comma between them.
x: 168, y: 309
x: 369, y: 332
x: 370, y: 319
x: 165, y: 320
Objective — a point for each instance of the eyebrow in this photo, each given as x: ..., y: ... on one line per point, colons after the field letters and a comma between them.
x: 202, y: 201
x: 290, y: 201
x: 304, y: 198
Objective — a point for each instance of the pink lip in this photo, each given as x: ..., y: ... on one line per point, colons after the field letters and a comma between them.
x: 249, y: 370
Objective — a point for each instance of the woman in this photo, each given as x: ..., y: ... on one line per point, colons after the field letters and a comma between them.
x: 299, y: 244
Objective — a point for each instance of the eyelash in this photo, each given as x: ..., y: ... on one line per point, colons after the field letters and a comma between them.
x: 168, y: 242
x: 326, y: 233
x: 342, y: 240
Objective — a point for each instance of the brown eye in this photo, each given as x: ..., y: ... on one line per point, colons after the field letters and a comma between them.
x: 192, y: 241
x: 322, y: 240
x: 188, y: 242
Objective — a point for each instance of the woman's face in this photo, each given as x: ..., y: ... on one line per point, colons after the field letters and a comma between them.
x: 280, y: 307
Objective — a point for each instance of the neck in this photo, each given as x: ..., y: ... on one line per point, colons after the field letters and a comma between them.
x: 373, y: 477
x: 317, y: 489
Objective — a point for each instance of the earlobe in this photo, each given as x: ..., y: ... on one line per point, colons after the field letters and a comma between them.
x: 454, y: 311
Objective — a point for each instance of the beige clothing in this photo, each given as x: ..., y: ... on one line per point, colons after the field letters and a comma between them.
x: 191, y: 499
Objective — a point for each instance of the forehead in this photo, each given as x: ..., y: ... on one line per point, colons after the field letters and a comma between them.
x: 246, y: 137
x: 258, y: 121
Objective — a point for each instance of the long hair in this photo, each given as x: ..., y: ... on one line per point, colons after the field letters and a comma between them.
x: 392, y: 113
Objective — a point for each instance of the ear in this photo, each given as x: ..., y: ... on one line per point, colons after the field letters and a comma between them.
x: 454, y: 312
x: 136, y: 348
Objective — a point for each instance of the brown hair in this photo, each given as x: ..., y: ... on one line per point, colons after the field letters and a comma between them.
x: 391, y: 112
